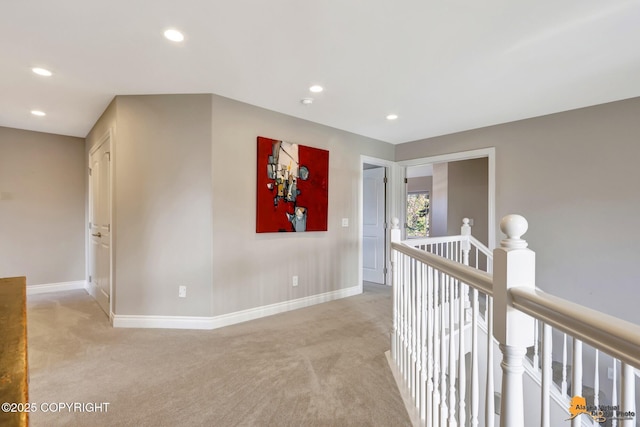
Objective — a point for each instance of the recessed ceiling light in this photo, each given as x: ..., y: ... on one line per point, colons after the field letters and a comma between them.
x: 306, y: 101
x: 174, y: 35
x: 392, y: 117
x: 42, y: 72
x: 316, y: 88
x: 38, y: 113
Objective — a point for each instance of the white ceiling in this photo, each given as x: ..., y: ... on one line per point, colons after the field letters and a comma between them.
x: 442, y: 66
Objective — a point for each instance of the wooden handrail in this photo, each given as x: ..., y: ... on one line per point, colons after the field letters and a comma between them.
x: 13, y: 351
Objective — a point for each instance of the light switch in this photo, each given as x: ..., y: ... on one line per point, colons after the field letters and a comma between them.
x: 345, y: 222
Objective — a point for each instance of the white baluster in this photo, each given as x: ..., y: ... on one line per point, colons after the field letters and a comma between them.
x: 396, y: 236
x: 437, y: 366
x: 490, y: 386
x: 401, y: 335
x: 430, y: 347
x: 563, y: 385
x: 475, y: 392
x: 406, y: 313
x: 576, y: 376
x: 462, y: 376
x: 628, y: 394
x: 443, y: 354
x: 614, y: 392
x: 452, y: 354
x: 546, y: 375
x: 423, y: 342
x: 403, y: 318
x: 394, y: 326
x: 514, y: 266
x: 596, y: 382
x: 535, y: 359
x: 412, y: 320
x: 401, y: 313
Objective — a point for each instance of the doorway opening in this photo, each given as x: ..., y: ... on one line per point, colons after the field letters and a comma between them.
x: 459, y: 185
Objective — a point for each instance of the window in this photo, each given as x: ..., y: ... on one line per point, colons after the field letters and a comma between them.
x: 418, y: 214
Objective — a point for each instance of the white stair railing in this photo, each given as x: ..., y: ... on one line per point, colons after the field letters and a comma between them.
x: 436, y: 329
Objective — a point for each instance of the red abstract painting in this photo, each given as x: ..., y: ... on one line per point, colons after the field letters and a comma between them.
x: 292, y: 187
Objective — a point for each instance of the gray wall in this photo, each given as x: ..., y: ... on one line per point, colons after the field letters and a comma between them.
x: 439, y: 200
x: 251, y: 270
x: 162, y: 200
x: 419, y: 184
x: 468, y: 188
x: 42, y: 192
x: 185, y: 183
x: 574, y: 176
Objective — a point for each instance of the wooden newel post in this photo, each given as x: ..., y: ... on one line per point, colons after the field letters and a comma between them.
x: 514, y: 266
x: 396, y: 237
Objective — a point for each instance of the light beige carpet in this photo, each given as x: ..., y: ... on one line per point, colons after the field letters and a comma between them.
x: 320, y: 366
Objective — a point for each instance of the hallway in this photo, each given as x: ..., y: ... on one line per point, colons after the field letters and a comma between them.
x: 320, y: 366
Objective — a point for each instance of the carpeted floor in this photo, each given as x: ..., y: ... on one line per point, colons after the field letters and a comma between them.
x: 319, y: 366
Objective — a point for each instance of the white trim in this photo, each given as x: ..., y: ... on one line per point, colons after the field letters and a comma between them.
x: 56, y: 287
x: 194, y: 322
x: 490, y: 153
x: 389, y: 198
x: 405, y: 394
x: 106, y: 138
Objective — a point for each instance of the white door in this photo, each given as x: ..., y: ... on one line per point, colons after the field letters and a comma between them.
x: 373, y: 239
x: 100, y: 224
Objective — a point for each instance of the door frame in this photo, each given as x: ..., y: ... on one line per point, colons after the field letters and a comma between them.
x: 107, y: 138
x: 490, y: 154
x: 379, y: 174
x: 389, y: 196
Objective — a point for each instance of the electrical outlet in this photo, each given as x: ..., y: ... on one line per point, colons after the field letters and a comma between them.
x: 295, y: 280
x: 182, y: 291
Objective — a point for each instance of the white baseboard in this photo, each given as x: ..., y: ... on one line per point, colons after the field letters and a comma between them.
x: 56, y: 287
x: 414, y: 414
x: 193, y: 322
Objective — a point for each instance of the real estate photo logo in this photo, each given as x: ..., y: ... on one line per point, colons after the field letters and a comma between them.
x: 598, y: 413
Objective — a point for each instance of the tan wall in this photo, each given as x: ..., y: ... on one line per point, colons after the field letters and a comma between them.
x: 42, y: 218
x: 574, y: 176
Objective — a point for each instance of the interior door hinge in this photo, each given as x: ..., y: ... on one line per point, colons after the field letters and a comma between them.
x: 385, y: 180
x: 89, y: 171
x: 90, y: 278
x: 109, y: 228
x: 406, y: 180
x: 89, y: 225
x: 108, y: 153
x: 385, y: 270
